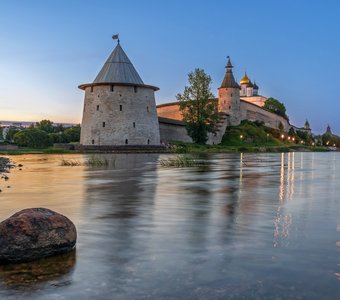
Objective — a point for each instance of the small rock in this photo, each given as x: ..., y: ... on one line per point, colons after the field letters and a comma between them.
x: 20, y: 165
x: 35, y: 233
x: 8, y: 186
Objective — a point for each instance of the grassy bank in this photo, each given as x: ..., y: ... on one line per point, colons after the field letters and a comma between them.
x: 23, y: 150
x: 249, y: 137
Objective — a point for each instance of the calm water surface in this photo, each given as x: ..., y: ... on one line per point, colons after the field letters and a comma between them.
x: 247, y: 226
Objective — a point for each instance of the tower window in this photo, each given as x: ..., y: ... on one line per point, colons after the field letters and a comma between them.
x: 97, y: 107
x: 120, y: 107
x: 135, y: 89
x: 147, y: 108
x: 126, y: 141
x: 91, y: 89
x: 112, y: 88
x: 231, y: 95
x: 134, y: 125
x: 92, y: 142
x: 103, y: 124
x: 148, y: 142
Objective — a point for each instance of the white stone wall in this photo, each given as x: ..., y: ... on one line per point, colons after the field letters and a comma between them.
x: 173, y: 132
x: 253, y: 112
x: 130, y: 116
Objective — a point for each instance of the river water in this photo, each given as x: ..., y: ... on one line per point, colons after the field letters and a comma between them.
x: 244, y: 226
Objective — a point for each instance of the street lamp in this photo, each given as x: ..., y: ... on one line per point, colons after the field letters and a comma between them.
x: 241, y: 137
x: 282, y: 137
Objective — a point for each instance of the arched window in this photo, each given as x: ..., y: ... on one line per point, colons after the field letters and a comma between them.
x: 148, y: 142
x: 126, y: 141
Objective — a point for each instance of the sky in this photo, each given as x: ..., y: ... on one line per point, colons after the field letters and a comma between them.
x: 290, y: 48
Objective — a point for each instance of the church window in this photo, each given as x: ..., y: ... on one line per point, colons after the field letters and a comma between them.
x: 91, y: 89
x: 135, y: 89
x: 134, y: 125
x: 103, y: 124
x: 112, y: 88
x: 126, y: 141
x: 120, y: 107
x: 92, y: 142
x: 148, y: 142
x: 97, y: 107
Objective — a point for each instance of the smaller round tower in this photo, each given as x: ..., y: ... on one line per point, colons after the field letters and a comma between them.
x: 229, y: 96
x: 119, y: 109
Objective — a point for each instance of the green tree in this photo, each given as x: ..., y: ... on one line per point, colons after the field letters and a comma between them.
x: 45, y: 125
x: 11, y: 133
x: 200, y: 114
x: 276, y: 107
x: 32, y: 137
x: 281, y: 127
x: 72, y: 134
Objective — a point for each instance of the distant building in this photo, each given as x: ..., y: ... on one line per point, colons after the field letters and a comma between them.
x: 328, y: 130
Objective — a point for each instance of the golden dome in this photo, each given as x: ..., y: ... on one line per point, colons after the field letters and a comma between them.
x: 245, y: 79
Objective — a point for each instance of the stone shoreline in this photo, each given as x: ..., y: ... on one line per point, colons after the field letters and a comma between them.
x: 5, y: 164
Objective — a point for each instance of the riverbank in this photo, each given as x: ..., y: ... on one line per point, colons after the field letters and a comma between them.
x: 177, y: 147
x: 194, y: 148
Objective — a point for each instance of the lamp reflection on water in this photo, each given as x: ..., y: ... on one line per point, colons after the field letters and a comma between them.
x: 284, y: 220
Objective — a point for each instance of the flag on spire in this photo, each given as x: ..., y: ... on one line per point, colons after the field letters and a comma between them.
x: 115, y: 36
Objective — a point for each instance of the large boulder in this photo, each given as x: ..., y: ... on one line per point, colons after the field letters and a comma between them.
x: 35, y: 233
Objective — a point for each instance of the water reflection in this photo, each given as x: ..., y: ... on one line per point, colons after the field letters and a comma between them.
x: 55, y: 271
x: 249, y: 226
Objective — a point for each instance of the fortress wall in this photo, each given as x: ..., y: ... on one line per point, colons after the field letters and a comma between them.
x: 170, y: 111
x: 119, y: 117
x: 258, y: 100
x: 253, y: 112
x: 172, y: 130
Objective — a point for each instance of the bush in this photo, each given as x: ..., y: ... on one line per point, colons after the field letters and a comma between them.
x: 33, y: 138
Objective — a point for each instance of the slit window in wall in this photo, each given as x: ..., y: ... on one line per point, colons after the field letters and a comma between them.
x: 103, y: 124
x: 126, y: 141
x: 91, y: 89
x: 231, y: 95
x: 120, y: 107
x: 229, y: 107
x: 148, y: 142
x: 134, y: 124
x: 97, y: 107
x: 147, y: 108
x: 135, y: 89
x: 92, y: 142
x: 112, y: 88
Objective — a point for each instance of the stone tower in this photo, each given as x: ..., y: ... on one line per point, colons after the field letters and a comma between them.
x: 229, y: 96
x: 119, y: 109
